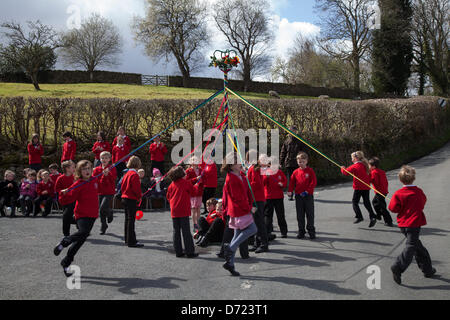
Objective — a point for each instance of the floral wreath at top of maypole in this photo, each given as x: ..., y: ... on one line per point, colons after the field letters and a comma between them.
x: 224, y: 60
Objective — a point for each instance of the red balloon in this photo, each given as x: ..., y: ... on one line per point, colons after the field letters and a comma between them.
x: 139, y: 215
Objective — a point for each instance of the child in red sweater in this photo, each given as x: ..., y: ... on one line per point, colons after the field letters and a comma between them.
x: 179, y: 196
x: 64, y: 181
x: 99, y: 146
x: 131, y: 195
x: 69, y: 147
x: 119, y: 152
x: 254, y: 176
x: 274, y: 181
x: 303, y: 181
x: 54, y: 173
x: 360, y: 169
x: 194, y: 175
x: 209, y: 181
x: 35, y: 152
x: 380, y: 183
x: 157, y: 152
x: 84, y: 192
x: 238, y: 202
x: 106, y: 189
x: 408, y: 202
x: 212, y: 226
x: 45, y: 190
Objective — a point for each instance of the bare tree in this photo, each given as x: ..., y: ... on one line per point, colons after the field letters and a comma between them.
x: 32, y: 52
x: 174, y: 28
x: 431, y: 38
x: 96, y: 43
x: 306, y: 64
x: 245, y: 24
x: 345, y: 31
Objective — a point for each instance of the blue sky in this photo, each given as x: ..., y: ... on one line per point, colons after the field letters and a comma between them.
x: 290, y: 17
x: 300, y: 10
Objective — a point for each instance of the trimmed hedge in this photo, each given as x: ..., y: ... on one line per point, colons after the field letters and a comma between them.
x: 397, y: 131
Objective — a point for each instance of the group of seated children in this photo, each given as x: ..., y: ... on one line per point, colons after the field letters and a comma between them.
x: 35, y: 192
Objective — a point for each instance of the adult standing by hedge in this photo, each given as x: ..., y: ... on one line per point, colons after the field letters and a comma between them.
x: 35, y: 152
x: 288, y: 156
x: 157, y: 152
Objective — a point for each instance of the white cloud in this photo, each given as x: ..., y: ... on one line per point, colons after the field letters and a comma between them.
x: 286, y: 32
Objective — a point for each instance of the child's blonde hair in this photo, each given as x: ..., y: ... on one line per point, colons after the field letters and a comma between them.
x: 35, y: 135
x: 105, y: 153
x: 407, y: 175
x: 8, y: 172
x: 31, y: 172
x: 359, y: 155
x: 39, y: 174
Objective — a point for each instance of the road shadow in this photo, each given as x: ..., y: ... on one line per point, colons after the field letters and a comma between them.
x: 424, y: 231
x: 333, y: 201
x: 321, y: 285
x: 347, y: 240
x: 315, y: 255
x: 160, y: 245
x: 437, y: 287
x: 126, y: 285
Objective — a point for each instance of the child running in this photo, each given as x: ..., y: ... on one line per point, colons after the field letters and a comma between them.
x: 237, y: 201
x: 303, y: 181
x: 380, y: 183
x: 360, y: 169
x: 106, y: 189
x: 408, y: 202
x: 179, y: 196
x: 84, y: 192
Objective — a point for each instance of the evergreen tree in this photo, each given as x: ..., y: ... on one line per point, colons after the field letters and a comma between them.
x: 392, y: 49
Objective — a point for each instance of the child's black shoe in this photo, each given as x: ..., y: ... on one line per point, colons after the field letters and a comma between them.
x: 430, y: 274
x: 358, y: 220
x: 396, y: 275
x: 231, y: 269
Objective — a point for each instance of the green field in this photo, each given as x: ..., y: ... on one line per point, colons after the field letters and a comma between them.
x: 123, y: 91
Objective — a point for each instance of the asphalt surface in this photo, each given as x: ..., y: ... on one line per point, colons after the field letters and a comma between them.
x: 334, y: 266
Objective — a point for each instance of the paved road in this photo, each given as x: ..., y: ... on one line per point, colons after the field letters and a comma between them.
x: 334, y: 266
